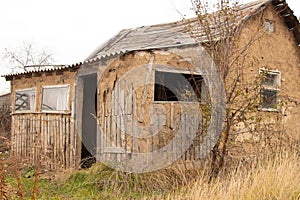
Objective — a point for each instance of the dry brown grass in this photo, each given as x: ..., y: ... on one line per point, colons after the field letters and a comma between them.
x: 276, y: 177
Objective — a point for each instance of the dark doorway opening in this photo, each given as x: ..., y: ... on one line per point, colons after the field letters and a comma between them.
x: 89, y: 121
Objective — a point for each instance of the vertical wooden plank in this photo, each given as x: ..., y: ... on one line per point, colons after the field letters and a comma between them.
x: 30, y: 136
x: 67, y: 148
x: 12, y: 146
x: 108, y: 134
x: 15, y: 125
x: 172, y: 115
x: 72, y: 134
x: 61, y: 142
x: 28, y: 140
x: 26, y: 130
x: 104, y: 136
x: 49, y: 157
x: 134, y: 125
x: 64, y: 142
x: 49, y: 148
x: 22, y: 136
x: 34, y: 132
x: 18, y: 136
x: 56, y: 142
x: 67, y: 142
x: 18, y: 141
x: 70, y: 144
x: 115, y: 110
x: 17, y: 129
x: 48, y: 141
x: 42, y: 127
x: 104, y: 124
x: 57, y: 155
x: 37, y: 131
x: 27, y: 135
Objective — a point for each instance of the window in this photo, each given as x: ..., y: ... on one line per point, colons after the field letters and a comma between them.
x: 55, y: 98
x: 171, y: 86
x: 269, y: 26
x: 25, y: 100
x: 270, y: 84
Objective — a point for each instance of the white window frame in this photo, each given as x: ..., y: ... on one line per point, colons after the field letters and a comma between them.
x: 275, y: 87
x: 68, y: 99
x: 25, y: 111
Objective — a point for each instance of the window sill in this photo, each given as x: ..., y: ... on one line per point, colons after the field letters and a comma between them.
x: 57, y: 111
x: 269, y: 109
x: 176, y: 102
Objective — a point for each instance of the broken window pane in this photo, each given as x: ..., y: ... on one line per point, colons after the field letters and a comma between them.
x: 170, y: 86
x: 55, y: 98
x: 269, y: 26
x: 269, y: 79
x: 269, y: 99
x: 25, y: 100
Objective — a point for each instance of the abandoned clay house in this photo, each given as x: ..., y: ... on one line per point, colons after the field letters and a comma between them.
x: 101, y: 103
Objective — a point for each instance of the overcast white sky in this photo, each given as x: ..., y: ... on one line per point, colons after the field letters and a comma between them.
x: 72, y: 29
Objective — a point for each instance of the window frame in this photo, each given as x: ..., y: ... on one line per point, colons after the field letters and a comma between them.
x: 35, y: 100
x: 168, y: 69
x: 68, y: 99
x: 275, y: 87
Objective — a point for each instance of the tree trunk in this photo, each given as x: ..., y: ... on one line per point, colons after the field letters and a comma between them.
x: 219, y: 153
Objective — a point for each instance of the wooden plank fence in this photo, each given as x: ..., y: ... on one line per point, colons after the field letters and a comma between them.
x: 48, y: 138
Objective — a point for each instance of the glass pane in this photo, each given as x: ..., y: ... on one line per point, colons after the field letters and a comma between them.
x: 269, y: 99
x: 269, y: 26
x: 55, y: 99
x: 269, y: 79
x: 25, y: 100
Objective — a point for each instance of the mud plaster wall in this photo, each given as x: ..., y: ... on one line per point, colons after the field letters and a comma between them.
x: 145, y: 111
x: 44, y: 79
x: 273, y: 51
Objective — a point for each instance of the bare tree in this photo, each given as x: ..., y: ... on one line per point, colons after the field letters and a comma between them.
x: 217, y: 28
x: 26, y: 56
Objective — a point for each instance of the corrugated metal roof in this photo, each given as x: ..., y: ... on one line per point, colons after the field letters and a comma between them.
x: 163, y: 35
x: 146, y: 37
x: 40, y: 69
